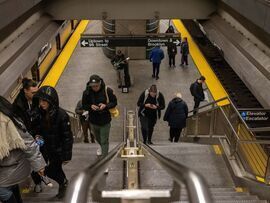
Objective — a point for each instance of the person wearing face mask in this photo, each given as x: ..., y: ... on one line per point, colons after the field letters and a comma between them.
x: 19, y: 154
x: 150, y: 104
x: 56, y: 132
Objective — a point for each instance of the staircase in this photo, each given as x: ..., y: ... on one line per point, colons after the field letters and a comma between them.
x: 201, y: 158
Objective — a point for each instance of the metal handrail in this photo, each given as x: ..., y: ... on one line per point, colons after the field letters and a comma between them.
x: 197, y: 188
x: 209, y: 104
x: 77, y: 191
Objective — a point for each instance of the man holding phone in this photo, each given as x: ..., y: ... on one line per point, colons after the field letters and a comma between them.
x: 95, y: 101
x: 150, y: 104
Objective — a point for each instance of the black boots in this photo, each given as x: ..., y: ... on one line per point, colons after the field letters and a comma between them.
x: 62, y: 190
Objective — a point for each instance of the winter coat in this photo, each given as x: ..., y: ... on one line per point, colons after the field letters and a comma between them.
x: 176, y: 113
x: 198, y: 91
x: 29, y: 114
x: 156, y: 55
x: 172, y: 49
x: 23, y: 155
x: 151, y: 113
x: 55, y: 127
x: 94, y: 98
x: 184, y: 48
x: 119, y: 59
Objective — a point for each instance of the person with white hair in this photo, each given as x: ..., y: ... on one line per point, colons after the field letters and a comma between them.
x: 176, y: 115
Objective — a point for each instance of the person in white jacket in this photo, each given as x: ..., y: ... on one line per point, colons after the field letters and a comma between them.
x: 19, y: 154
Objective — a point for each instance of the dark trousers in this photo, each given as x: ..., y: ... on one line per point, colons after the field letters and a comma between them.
x: 175, y: 134
x: 85, y: 127
x: 184, y: 59
x: 54, y: 170
x: 10, y: 194
x: 196, y: 105
x: 156, y: 69
x: 147, y: 126
x: 171, y: 60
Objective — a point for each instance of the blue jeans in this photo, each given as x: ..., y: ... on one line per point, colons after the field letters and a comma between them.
x: 7, y: 192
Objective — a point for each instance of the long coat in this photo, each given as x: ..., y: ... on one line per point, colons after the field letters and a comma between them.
x: 176, y: 113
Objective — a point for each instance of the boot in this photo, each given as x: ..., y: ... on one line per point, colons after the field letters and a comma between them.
x: 92, y: 138
x: 62, y: 189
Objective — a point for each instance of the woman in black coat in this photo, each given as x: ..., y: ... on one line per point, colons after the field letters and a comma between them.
x: 176, y: 115
x: 56, y: 132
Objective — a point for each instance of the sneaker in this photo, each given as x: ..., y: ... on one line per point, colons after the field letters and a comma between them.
x: 150, y: 142
x: 157, y: 78
x: 99, y: 151
x: 62, y: 190
x: 106, y: 171
x: 38, y: 188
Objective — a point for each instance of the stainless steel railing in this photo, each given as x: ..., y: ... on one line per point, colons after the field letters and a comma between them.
x: 197, y: 188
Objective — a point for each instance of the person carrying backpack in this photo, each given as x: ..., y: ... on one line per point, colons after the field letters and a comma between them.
x: 196, y: 91
x: 150, y: 104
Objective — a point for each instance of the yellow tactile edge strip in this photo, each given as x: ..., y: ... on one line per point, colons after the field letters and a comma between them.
x: 204, y: 68
x: 251, y: 151
x: 62, y: 60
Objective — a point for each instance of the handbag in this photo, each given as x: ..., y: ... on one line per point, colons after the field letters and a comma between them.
x: 113, y: 111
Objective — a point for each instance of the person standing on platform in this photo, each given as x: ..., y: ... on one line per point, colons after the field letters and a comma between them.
x: 172, y: 51
x: 83, y: 116
x: 19, y: 154
x: 196, y: 90
x: 95, y: 102
x: 55, y: 131
x: 120, y: 63
x: 150, y: 104
x: 184, y: 51
x: 176, y: 115
x: 156, y: 57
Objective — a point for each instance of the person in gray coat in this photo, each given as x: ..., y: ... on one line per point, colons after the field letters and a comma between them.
x: 176, y: 115
x: 19, y: 154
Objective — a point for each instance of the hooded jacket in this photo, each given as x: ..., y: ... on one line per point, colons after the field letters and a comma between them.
x: 19, y: 153
x: 176, y: 113
x: 55, y: 127
x: 94, y: 98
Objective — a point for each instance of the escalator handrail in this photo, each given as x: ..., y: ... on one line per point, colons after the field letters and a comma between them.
x: 197, y: 188
x: 80, y: 184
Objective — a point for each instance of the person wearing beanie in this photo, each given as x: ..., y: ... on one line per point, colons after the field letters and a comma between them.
x: 150, y: 104
x: 176, y: 115
x: 19, y: 154
x: 97, y: 100
x: 56, y: 132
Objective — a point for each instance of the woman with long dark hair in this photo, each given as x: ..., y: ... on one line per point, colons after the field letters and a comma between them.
x: 56, y: 132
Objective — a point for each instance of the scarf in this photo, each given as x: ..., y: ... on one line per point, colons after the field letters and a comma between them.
x: 10, y: 138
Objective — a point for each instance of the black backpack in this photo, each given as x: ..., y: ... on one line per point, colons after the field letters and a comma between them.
x: 191, y: 88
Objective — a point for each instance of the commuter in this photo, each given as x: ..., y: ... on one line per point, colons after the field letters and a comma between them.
x: 83, y: 116
x: 120, y: 62
x: 26, y: 108
x: 150, y: 104
x: 184, y: 51
x: 19, y: 154
x: 156, y: 57
x: 176, y: 115
x: 172, y: 51
x: 95, y: 102
x: 196, y: 90
x: 56, y: 132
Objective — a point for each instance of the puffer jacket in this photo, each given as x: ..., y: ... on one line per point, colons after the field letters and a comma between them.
x: 90, y: 97
x: 19, y: 163
x: 55, y: 127
x: 176, y: 113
